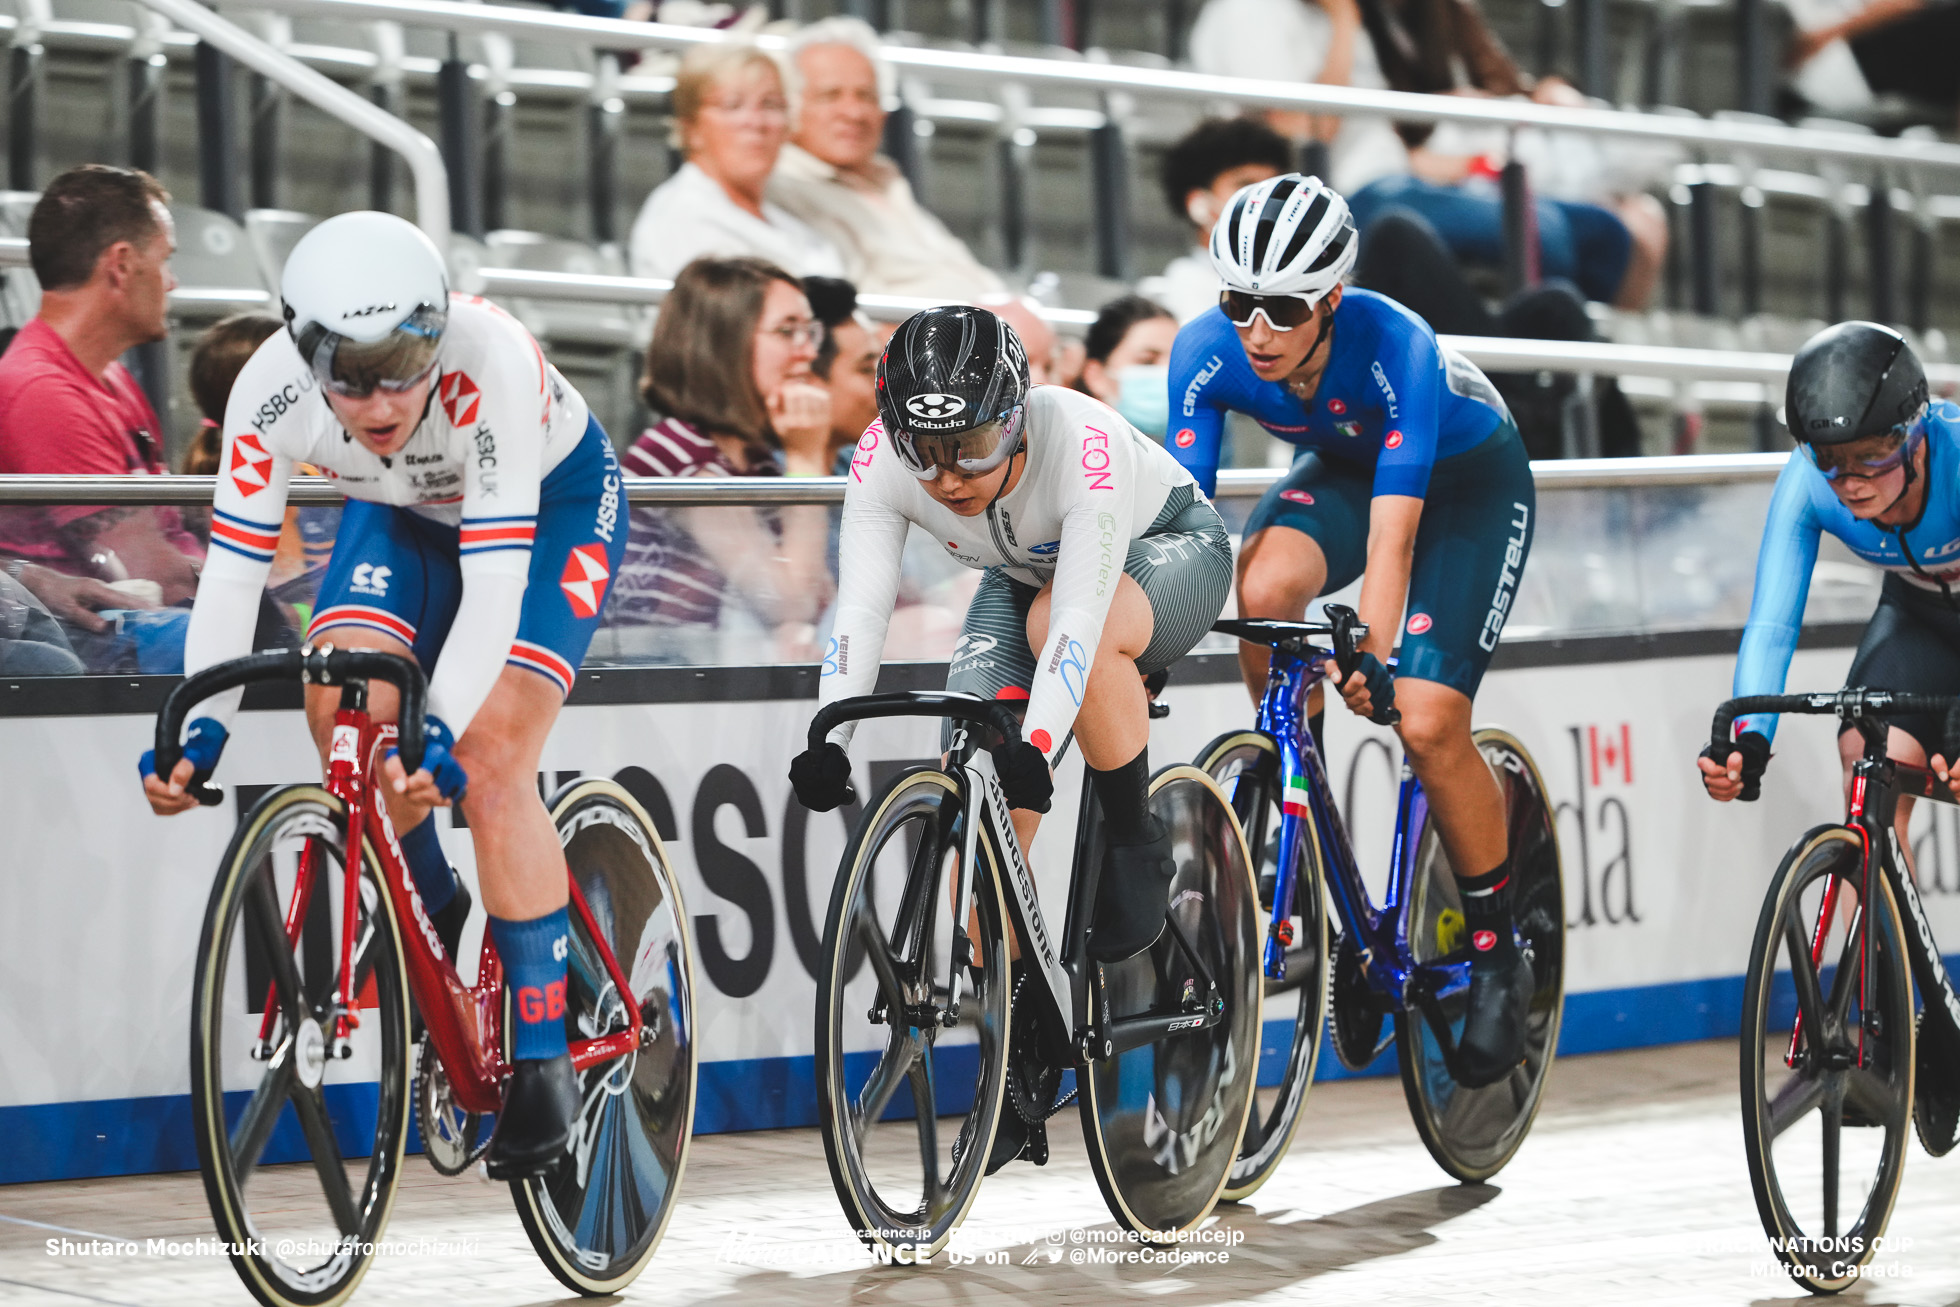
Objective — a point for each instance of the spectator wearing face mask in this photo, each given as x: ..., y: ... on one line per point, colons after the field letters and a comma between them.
x: 731, y: 118
x: 1200, y: 173
x: 1127, y: 368
x: 832, y: 176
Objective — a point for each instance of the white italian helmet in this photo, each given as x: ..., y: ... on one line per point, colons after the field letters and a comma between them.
x: 366, y: 300
x: 1290, y: 235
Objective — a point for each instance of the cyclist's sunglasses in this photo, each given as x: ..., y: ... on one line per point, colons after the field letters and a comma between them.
x: 399, y: 361
x: 1284, y: 312
x: 1835, y: 461
x: 971, y: 453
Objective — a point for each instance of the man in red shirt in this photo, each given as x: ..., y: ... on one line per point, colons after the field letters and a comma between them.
x: 100, y: 240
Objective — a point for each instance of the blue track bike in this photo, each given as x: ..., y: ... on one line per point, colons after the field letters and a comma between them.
x: 1408, y: 958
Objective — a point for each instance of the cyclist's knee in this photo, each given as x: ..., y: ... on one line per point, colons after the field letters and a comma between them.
x: 1432, y: 725
x: 1268, y: 588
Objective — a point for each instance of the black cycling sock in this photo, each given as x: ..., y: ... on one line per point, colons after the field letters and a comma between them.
x: 1487, y: 915
x: 1124, y: 795
x: 1317, y: 727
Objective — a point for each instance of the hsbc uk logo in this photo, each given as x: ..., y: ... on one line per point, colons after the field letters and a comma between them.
x: 251, y: 466
x: 584, y: 580
x: 460, y: 398
x: 370, y: 579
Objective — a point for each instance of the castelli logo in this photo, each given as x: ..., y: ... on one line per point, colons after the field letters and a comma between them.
x: 1336, y: 407
x: 1391, y: 440
x: 933, y: 407
x: 1484, y: 940
x: 1186, y: 438
x: 1419, y: 623
x: 1297, y: 496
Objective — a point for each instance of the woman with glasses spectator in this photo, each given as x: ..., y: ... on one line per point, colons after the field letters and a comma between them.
x: 728, y: 370
x: 730, y: 119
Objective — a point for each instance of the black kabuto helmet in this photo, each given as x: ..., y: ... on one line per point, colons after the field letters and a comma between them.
x: 953, y: 388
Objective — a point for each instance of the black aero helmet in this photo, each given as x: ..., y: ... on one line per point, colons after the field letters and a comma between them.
x: 1853, y: 380
x: 952, y: 385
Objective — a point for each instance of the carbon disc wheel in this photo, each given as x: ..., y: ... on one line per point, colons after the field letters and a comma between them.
x: 1472, y: 1133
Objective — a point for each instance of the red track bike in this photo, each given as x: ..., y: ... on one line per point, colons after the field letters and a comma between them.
x: 315, y: 940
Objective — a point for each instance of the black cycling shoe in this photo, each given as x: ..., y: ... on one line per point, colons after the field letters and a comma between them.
x: 541, y: 1100
x: 1494, y: 1022
x: 449, y: 922
x: 1133, y: 895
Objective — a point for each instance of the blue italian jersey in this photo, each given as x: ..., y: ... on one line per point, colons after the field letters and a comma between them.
x: 1392, y: 399
x: 1802, y: 507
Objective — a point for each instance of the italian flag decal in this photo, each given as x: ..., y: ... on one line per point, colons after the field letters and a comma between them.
x: 1296, y: 796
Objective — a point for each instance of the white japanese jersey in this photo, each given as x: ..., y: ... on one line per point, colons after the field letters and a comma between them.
x: 1091, y: 485
x: 499, y: 419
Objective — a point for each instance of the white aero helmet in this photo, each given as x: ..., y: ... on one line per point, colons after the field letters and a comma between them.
x: 1290, y: 235
x: 366, y: 301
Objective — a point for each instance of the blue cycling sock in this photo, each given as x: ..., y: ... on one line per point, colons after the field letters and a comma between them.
x: 435, y: 879
x: 533, y: 954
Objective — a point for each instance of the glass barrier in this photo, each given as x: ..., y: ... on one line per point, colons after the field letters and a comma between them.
x: 107, y: 590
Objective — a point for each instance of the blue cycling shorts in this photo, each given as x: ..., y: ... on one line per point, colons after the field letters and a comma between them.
x: 1477, y: 521
x: 396, y: 571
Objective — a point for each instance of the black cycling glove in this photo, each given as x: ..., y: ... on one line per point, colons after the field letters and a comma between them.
x: 1024, y: 776
x: 822, y: 777
x: 1754, y: 748
x: 1381, y: 689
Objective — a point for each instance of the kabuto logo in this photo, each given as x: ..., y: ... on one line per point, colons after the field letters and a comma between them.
x: 935, y: 407
x: 460, y: 398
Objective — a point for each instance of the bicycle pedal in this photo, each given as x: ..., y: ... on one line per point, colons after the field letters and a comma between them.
x: 1036, y: 1148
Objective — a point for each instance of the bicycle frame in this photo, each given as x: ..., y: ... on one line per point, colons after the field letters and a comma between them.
x: 1381, y: 935
x: 1072, y: 979
x: 1877, y: 783
x: 465, y: 1023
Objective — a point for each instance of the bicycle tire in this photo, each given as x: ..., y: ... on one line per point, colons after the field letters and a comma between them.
x: 875, y: 1184
x: 1886, y: 1088
x: 241, y: 919
x: 1163, y: 1121
x: 1246, y: 766
x: 1473, y: 1133
x: 597, y: 1216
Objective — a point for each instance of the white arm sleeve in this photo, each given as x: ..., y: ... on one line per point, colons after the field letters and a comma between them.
x: 501, y: 481
x: 870, y: 548
x: 248, y: 511
x: 1095, y: 541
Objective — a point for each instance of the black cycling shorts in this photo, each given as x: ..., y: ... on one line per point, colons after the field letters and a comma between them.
x: 1912, y: 643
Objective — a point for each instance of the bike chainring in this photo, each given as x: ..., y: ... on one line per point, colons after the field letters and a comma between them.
x: 1357, y: 1017
x: 1936, y: 1085
x: 1033, y: 1078
x: 452, y: 1140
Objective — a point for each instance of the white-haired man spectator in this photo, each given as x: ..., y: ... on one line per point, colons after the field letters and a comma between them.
x: 832, y: 177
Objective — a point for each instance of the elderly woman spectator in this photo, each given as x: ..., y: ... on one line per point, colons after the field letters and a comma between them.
x: 1128, y: 361
x: 832, y: 176
x: 730, y: 118
x: 729, y: 370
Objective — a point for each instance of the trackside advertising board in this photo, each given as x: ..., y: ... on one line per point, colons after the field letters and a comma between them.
x: 104, y: 901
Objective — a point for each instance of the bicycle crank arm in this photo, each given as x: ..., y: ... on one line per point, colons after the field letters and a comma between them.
x: 1120, y: 1037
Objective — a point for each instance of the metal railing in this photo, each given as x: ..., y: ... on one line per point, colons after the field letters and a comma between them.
x: 1753, y: 139
x: 190, y: 491
x: 424, y: 160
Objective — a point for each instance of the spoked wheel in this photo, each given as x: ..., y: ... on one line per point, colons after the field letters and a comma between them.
x: 1826, y: 1115
x: 1163, y: 1121
x: 1472, y: 1133
x: 597, y: 1215
x: 299, y: 1234
x: 1246, y: 766
x: 907, y: 1104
